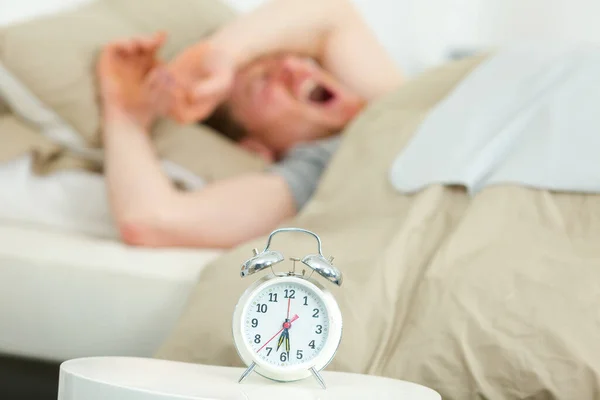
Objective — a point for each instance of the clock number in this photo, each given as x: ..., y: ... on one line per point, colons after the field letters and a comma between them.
x: 269, y: 350
x: 312, y: 344
x: 291, y: 294
x: 254, y: 323
x: 305, y: 300
x: 257, y: 339
x: 273, y: 297
x: 299, y: 354
x: 319, y: 329
x: 283, y: 357
x: 261, y: 308
x: 316, y: 314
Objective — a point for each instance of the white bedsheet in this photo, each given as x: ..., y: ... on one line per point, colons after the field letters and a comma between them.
x: 70, y: 201
x: 530, y: 115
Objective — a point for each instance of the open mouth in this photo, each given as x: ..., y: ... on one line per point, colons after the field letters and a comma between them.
x: 317, y: 93
x: 320, y: 94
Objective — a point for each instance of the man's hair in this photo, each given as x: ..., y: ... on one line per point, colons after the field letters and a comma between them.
x: 223, y: 122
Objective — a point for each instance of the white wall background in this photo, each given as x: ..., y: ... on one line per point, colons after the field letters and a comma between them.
x: 17, y: 10
x: 420, y: 33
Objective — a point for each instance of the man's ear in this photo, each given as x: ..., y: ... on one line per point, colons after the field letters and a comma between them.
x: 259, y: 148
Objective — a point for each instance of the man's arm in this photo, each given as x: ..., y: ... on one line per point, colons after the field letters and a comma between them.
x: 331, y: 31
x: 149, y: 211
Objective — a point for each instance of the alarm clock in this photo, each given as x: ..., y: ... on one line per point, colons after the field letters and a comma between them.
x: 287, y: 326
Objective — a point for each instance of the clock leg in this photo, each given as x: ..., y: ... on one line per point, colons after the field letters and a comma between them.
x: 318, y: 377
x: 247, y: 372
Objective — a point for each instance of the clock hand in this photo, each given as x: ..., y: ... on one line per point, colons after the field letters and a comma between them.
x: 278, y: 332
x: 281, y: 338
x: 269, y: 341
x: 286, y: 332
x: 285, y: 335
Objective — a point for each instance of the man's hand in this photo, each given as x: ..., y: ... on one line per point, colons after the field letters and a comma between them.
x: 132, y: 82
x: 204, y: 76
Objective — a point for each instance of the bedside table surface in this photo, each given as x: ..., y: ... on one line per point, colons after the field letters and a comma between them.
x: 127, y: 378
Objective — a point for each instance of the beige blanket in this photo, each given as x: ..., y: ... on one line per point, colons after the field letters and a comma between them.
x: 491, y: 297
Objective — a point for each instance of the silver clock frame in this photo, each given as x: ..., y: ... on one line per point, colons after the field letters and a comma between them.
x: 300, y: 371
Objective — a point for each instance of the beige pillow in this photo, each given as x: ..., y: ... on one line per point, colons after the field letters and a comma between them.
x: 54, y: 59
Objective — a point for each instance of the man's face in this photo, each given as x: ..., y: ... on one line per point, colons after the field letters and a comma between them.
x: 284, y: 100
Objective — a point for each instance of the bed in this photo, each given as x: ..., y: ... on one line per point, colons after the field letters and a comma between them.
x: 72, y: 302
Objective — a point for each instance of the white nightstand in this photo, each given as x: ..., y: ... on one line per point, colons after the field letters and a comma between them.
x: 122, y: 378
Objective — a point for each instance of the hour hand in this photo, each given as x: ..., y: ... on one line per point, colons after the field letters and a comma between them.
x: 281, y: 338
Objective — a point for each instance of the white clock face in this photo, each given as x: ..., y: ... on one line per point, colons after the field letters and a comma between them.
x: 286, y: 324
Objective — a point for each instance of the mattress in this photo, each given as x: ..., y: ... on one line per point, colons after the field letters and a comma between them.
x: 66, y: 296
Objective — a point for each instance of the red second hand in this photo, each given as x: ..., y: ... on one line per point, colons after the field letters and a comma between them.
x: 269, y: 341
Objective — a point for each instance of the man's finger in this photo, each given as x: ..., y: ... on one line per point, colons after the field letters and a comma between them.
x: 213, y: 86
x: 152, y: 79
x: 157, y: 40
x: 143, y: 45
x: 183, y: 116
x: 151, y: 43
x: 188, y: 115
x: 201, y: 110
x: 164, y: 100
x: 111, y: 50
x: 108, y: 55
x: 159, y: 76
x: 155, y: 93
x: 160, y: 94
x: 126, y: 47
